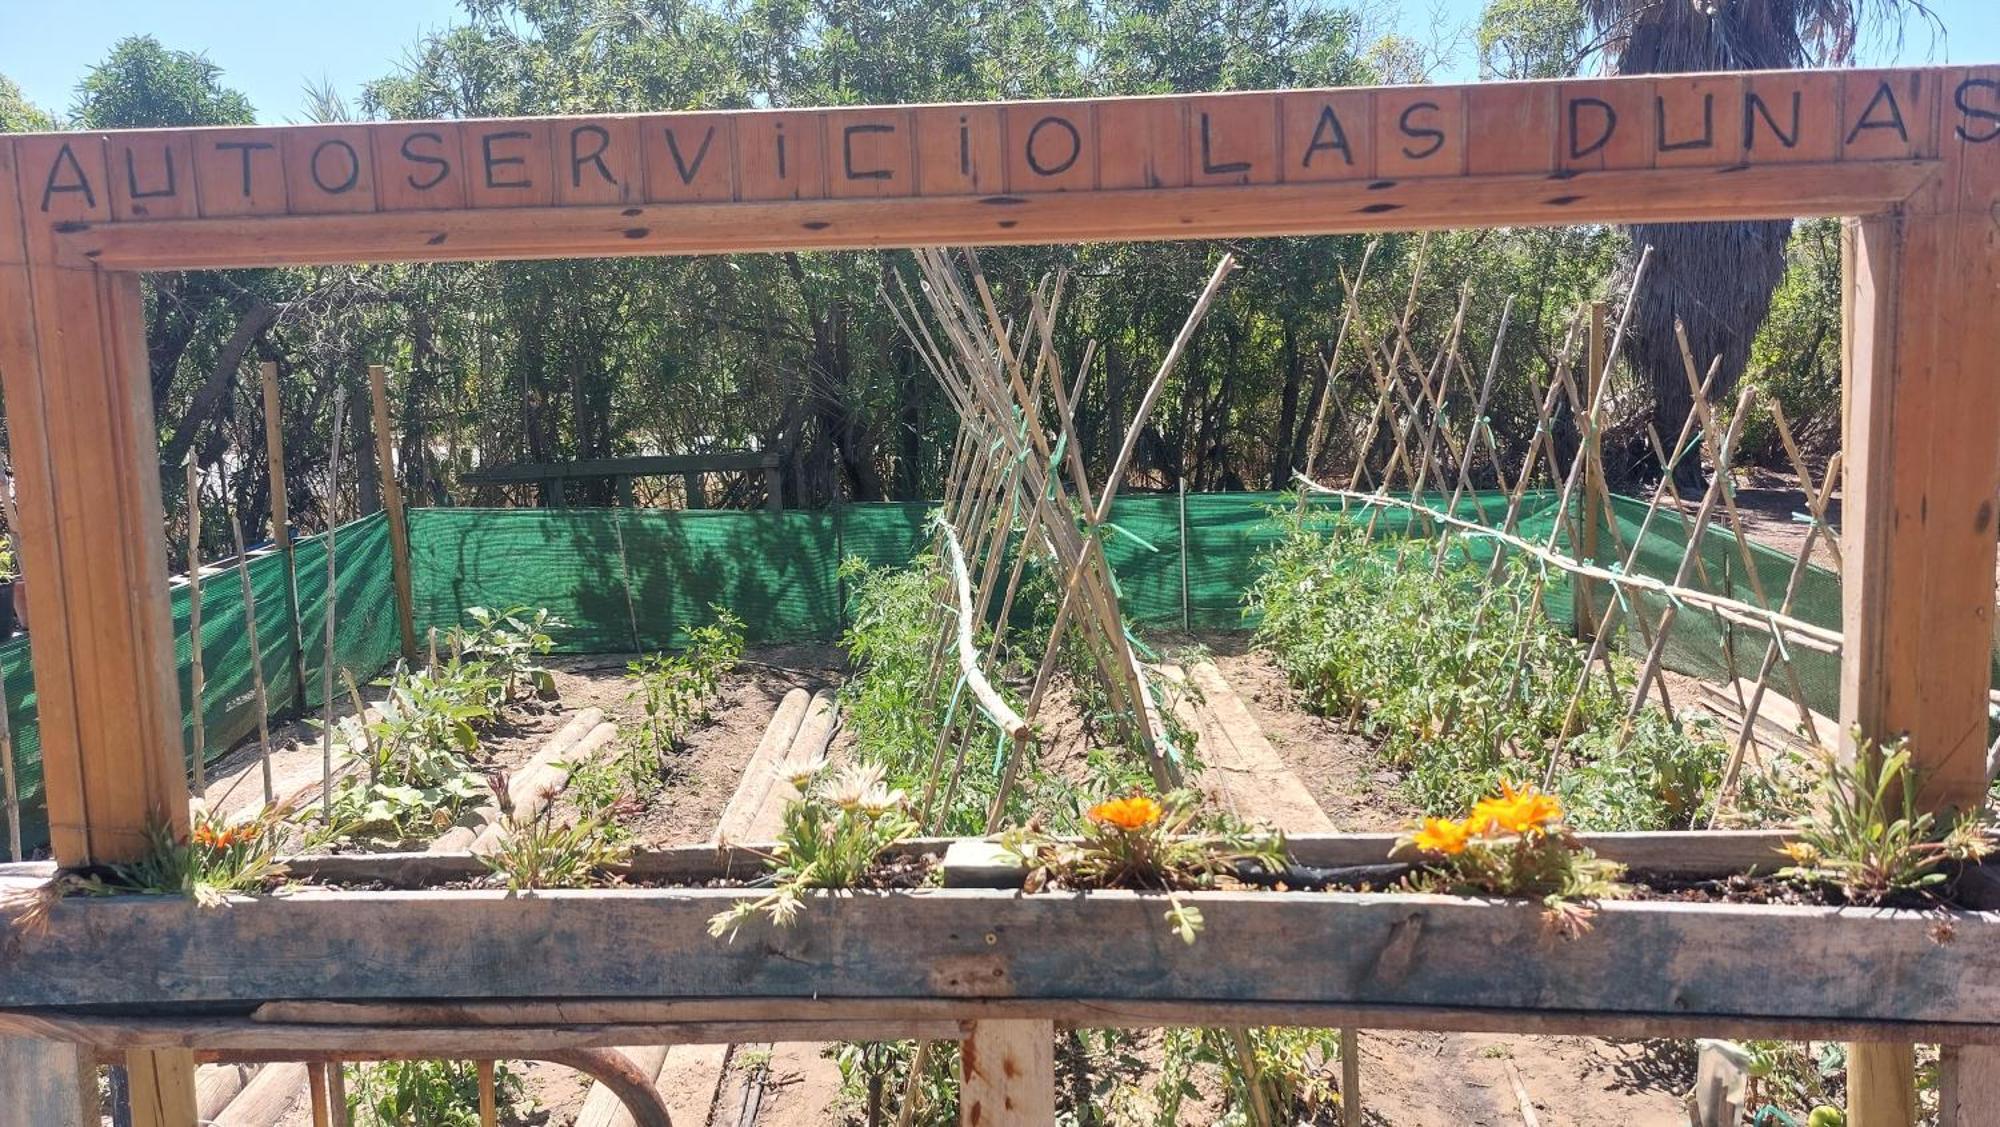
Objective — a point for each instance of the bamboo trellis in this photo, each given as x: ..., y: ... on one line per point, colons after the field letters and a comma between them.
x: 1019, y: 490
x: 1422, y: 433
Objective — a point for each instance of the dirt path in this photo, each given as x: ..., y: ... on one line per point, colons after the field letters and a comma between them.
x: 1452, y: 1079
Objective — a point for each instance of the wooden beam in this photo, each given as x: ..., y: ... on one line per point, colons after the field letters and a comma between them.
x: 161, y: 1087
x: 1126, y: 215
x: 649, y: 465
x: 80, y: 417
x: 392, y: 501
x: 1922, y: 450
x: 1007, y: 1074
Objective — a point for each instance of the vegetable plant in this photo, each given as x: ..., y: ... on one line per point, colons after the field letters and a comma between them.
x: 511, y: 643
x: 1865, y: 836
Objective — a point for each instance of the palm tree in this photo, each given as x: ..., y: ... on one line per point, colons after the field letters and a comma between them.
x: 1717, y: 278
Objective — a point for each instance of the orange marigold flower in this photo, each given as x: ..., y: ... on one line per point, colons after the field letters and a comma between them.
x: 204, y: 834
x: 1134, y: 812
x: 1442, y: 835
x: 1516, y: 811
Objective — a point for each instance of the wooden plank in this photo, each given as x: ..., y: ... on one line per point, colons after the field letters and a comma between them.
x: 1007, y: 1074
x: 871, y: 153
x: 1969, y: 1086
x: 1051, y: 146
x: 960, y: 151
x: 1143, y: 143
x: 151, y: 176
x: 161, y: 1086
x: 760, y: 777
x: 722, y: 461
x: 598, y: 161
x: 1331, y: 948
x: 508, y: 163
x: 329, y: 170
x: 1419, y: 131
x: 1250, y: 777
x: 239, y: 172
x: 689, y: 157
x: 45, y: 1084
x: 1604, y: 125
x: 269, y: 1096
x: 392, y: 500
x: 780, y: 155
x: 1326, y: 135
x: 1695, y: 121
x: 1511, y: 128
x: 1923, y: 469
x: 601, y: 1106
x: 1232, y: 139
x: 1041, y: 217
x: 418, y: 166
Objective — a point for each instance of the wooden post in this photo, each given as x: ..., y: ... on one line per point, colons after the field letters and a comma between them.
x: 46, y: 1084
x: 281, y: 525
x: 489, y: 1112
x: 774, y: 489
x: 1582, y: 591
x: 1007, y: 1074
x: 392, y: 500
x: 331, y: 615
x: 161, y: 1084
x: 1922, y: 475
x: 196, y: 673
x: 691, y: 485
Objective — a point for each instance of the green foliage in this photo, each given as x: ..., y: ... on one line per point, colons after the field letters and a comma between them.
x: 676, y: 691
x: 1465, y: 682
x: 1795, y: 359
x: 549, y: 852
x: 1531, y: 38
x: 17, y: 114
x: 834, y: 835
x: 217, y: 859
x: 142, y: 85
x: 509, y: 643
x: 423, y: 1093
x: 1865, y: 835
x: 417, y: 772
x: 1514, y: 844
x: 1144, y: 845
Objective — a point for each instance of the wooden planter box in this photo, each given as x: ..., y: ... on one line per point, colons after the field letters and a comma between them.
x: 1282, y: 957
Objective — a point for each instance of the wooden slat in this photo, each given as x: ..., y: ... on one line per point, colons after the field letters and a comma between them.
x: 45, y: 1084
x: 1640, y: 957
x: 161, y: 1086
x: 1045, y: 217
x: 1007, y: 1074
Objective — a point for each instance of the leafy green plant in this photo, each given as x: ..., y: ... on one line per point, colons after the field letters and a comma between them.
x: 1140, y: 843
x: 510, y: 643
x: 545, y: 851
x: 423, y: 1093
x: 417, y: 772
x: 676, y: 691
x: 219, y: 858
x: 1465, y: 682
x: 1514, y: 844
x: 1866, y: 837
x: 833, y: 836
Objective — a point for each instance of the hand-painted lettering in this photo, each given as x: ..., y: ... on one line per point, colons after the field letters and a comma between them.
x: 599, y: 140
x: 847, y: 151
x: 1417, y: 132
x: 1755, y: 107
x: 1327, y: 135
x: 412, y: 155
x: 689, y: 170
x: 1961, y: 98
x: 132, y: 176
x: 1705, y: 141
x: 317, y: 168
x: 244, y: 149
x: 1884, y: 98
x: 79, y: 182
x: 1037, y: 161
x: 494, y: 162
x: 1208, y: 165
x: 1605, y: 126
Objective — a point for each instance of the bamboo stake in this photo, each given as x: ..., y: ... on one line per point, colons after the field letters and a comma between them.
x: 251, y: 634
x: 196, y: 672
x: 281, y: 524
x: 392, y: 502
x: 489, y: 1109
x: 1593, y: 377
x: 1315, y: 446
x: 326, y: 665
x: 8, y: 779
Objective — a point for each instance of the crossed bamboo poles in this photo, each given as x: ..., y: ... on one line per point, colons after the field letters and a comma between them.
x: 1418, y: 433
x: 1018, y: 489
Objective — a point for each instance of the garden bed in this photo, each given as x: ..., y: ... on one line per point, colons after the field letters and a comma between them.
x: 1294, y: 957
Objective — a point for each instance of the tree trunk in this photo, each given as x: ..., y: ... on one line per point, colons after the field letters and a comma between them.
x: 1283, y: 454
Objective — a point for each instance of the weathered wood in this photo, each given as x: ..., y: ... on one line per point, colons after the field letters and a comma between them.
x: 45, y: 1084
x: 1969, y: 1086
x: 392, y: 501
x: 267, y: 1098
x: 663, y: 465
x: 1253, y: 780
x: 1922, y: 448
x: 1126, y: 215
x: 602, y: 1107
x: 216, y: 1085
x: 760, y: 773
x: 1007, y: 1074
x: 160, y: 1084
x: 1327, y: 948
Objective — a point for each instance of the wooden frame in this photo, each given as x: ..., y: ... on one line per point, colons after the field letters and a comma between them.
x: 1916, y: 153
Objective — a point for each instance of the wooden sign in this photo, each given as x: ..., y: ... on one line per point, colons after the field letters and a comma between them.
x: 1382, y: 140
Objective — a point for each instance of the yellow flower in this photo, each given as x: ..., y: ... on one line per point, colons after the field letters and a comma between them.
x: 1515, y: 811
x: 1442, y: 835
x: 1135, y: 812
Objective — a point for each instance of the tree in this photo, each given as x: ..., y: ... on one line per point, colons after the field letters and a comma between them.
x: 1717, y: 278
x: 1531, y: 38
x: 17, y: 113
x: 142, y: 84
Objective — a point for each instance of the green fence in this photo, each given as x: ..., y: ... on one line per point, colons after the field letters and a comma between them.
x: 638, y: 579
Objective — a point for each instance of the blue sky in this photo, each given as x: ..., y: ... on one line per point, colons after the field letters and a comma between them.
x: 270, y: 49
